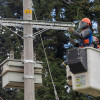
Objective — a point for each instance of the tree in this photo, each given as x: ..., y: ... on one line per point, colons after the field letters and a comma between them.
x: 54, y: 40
x: 9, y: 41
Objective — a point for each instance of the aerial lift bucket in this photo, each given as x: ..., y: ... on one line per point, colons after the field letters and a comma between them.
x: 84, y: 66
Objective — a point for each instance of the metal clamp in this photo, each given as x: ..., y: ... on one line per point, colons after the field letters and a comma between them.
x: 26, y: 36
x: 29, y: 77
x: 29, y: 61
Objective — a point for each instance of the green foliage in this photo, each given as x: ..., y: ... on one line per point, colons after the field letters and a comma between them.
x: 11, y: 94
x: 54, y: 41
x: 9, y: 41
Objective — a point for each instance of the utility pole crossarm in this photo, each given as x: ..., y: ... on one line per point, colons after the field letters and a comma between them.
x: 37, y: 24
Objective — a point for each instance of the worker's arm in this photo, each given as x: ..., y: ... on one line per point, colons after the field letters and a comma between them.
x: 73, y: 42
x: 82, y: 35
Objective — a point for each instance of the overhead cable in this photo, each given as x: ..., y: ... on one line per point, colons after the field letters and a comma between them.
x: 13, y: 32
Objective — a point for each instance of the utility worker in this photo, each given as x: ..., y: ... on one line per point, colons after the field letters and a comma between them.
x: 96, y: 42
x: 85, y: 34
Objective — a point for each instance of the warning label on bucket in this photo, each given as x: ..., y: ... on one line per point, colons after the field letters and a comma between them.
x: 80, y: 81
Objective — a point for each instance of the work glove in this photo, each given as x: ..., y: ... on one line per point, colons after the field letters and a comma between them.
x: 70, y: 29
x: 64, y: 64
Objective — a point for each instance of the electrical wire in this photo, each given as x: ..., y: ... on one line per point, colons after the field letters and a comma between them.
x: 1, y: 98
x: 34, y: 10
x: 13, y: 32
x: 55, y: 91
x: 18, y: 29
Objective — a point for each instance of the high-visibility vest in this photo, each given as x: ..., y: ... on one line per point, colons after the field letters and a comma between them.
x: 98, y: 46
x: 87, y: 41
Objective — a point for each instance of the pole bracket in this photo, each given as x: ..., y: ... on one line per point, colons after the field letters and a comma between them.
x: 28, y: 36
x: 29, y: 77
x: 29, y: 61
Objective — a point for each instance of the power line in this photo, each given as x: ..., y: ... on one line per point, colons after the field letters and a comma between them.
x: 1, y: 98
x: 34, y: 10
x: 55, y: 91
x: 13, y: 32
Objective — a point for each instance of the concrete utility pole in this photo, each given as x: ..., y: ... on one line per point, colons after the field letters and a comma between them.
x: 29, y: 88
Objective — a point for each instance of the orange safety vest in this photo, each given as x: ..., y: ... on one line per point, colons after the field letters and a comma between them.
x: 98, y: 46
x: 86, y: 41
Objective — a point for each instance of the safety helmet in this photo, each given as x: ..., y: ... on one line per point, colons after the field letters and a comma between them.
x: 85, y: 23
x: 95, y: 39
x: 88, y: 22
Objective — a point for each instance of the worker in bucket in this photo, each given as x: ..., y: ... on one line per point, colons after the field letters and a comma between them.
x: 96, y: 42
x: 85, y: 38
x: 85, y: 34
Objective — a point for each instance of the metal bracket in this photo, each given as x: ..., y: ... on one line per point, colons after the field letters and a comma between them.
x: 29, y: 77
x: 29, y: 61
x: 26, y: 36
